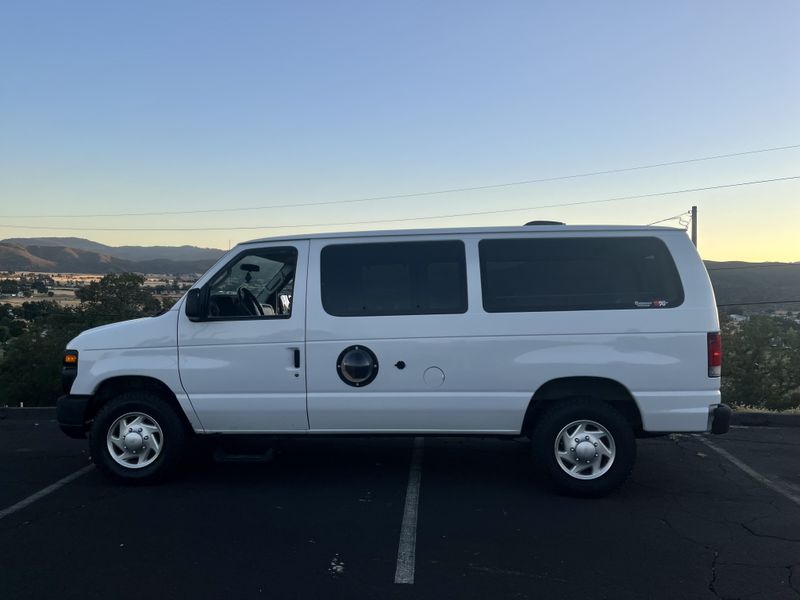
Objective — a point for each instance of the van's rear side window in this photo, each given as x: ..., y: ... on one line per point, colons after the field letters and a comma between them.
x: 549, y: 274
x: 402, y: 278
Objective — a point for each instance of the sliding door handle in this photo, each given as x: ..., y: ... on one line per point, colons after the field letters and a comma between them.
x: 297, y: 358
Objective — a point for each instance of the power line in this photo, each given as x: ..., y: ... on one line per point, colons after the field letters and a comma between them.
x: 408, y: 219
x: 756, y: 303
x: 415, y: 194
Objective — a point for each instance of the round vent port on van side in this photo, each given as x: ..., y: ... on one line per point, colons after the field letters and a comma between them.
x: 357, y: 366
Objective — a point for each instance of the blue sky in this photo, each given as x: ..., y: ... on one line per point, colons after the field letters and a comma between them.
x: 152, y: 106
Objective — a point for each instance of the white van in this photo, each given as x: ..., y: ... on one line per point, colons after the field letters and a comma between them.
x: 580, y: 338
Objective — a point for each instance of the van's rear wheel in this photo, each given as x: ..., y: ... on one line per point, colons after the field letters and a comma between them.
x: 137, y: 436
x: 587, y: 446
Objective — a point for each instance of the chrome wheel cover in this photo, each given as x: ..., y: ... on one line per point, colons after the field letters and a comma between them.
x: 584, y: 449
x: 134, y: 440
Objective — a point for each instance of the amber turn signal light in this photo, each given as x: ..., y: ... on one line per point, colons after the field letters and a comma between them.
x: 71, y: 358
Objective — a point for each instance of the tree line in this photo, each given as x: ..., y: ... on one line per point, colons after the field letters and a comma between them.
x: 761, y: 362
x: 34, y: 335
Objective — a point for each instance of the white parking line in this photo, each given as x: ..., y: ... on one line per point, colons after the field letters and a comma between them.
x: 44, y: 492
x: 407, y: 549
x: 765, y: 481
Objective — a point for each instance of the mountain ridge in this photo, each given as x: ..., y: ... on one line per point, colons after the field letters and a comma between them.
x: 132, y: 253
x: 87, y: 257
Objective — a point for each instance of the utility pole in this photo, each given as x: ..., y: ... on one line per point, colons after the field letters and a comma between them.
x: 694, y: 225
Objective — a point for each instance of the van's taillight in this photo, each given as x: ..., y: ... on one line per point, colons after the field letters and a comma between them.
x: 714, y: 354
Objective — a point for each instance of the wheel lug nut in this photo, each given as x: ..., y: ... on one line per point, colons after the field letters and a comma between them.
x: 140, y: 431
x: 577, y: 440
x: 130, y: 429
x: 587, y: 437
x: 147, y: 437
x: 596, y: 454
x: 572, y: 449
x: 595, y: 444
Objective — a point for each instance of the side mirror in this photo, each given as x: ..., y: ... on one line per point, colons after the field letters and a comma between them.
x: 194, y: 305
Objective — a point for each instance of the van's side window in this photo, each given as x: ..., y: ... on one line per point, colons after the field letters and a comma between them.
x: 403, y: 278
x: 550, y: 274
x: 257, y: 283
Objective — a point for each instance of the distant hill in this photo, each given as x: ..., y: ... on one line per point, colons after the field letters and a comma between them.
x: 76, y: 255
x: 15, y: 257
x: 742, y: 282
x: 133, y: 253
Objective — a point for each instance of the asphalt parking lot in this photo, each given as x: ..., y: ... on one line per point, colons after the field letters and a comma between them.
x: 325, y: 518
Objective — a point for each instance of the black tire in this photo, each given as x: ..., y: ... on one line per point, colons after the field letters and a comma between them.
x: 173, y: 444
x: 564, y: 412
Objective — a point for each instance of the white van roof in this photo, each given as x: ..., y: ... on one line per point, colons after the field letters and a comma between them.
x: 461, y: 231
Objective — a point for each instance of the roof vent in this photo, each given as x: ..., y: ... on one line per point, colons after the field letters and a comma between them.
x: 544, y: 223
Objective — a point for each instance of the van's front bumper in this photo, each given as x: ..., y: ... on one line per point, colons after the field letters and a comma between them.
x: 71, y: 414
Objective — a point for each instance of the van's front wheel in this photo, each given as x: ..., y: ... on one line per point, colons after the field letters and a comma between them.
x: 137, y: 436
x: 587, y: 446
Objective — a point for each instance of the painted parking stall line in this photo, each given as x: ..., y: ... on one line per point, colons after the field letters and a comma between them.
x: 407, y: 548
x: 44, y: 492
x: 765, y: 481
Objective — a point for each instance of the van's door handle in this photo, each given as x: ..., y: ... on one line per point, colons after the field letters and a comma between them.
x: 297, y: 358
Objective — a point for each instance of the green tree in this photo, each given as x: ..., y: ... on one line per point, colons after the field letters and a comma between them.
x: 30, y: 370
x: 8, y: 286
x: 117, y: 297
x: 761, y: 360
x: 32, y: 311
x: 17, y: 327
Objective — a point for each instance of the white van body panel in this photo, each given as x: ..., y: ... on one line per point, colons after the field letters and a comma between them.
x: 240, y: 374
x: 482, y: 368
x: 493, y: 363
x: 140, y: 348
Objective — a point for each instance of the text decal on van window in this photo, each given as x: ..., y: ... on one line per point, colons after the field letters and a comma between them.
x: 652, y: 304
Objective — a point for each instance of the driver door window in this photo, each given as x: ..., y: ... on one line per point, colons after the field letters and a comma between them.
x: 258, y: 283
